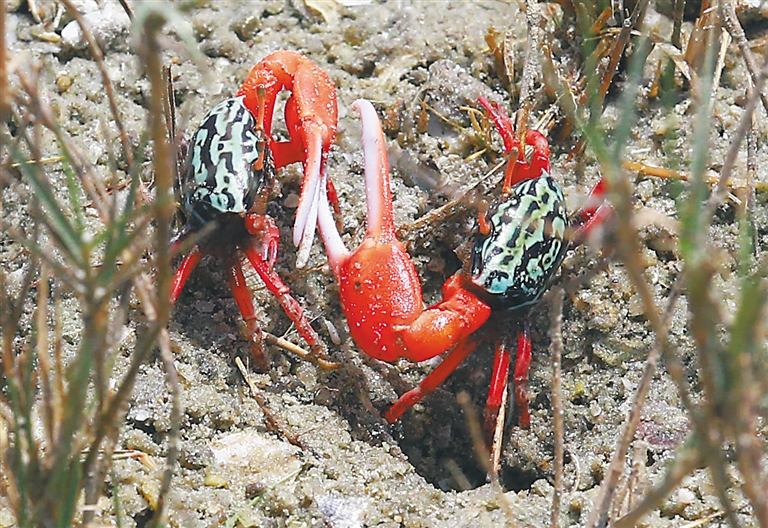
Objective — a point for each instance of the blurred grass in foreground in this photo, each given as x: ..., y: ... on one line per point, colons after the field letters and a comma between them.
x: 727, y: 409
x: 62, y: 405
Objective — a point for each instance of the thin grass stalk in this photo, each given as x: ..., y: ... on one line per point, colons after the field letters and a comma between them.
x: 164, y: 210
x: 686, y: 460
x: 745, y: 352
x: 743, y: 398
x: 67, y: 240
x: 719, y: 384
x: 174, y: 434
x: 743, y: 128
x: 5, y: 102
x: 556, y: 346
x: 41, y: 326
x: 621, y: 197
x: 533, y: 23
x: 19, y: 473
x: 56, y: 503
x: 730, y: 21
x: 705, y: 313
x: 617, y: 52
x: 678, y: 9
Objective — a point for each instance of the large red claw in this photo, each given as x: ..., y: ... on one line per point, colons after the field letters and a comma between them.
x: 378, y: 283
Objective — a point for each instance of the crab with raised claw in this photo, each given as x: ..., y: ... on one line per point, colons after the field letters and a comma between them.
x: 518, y: 248
x: 228, y: 175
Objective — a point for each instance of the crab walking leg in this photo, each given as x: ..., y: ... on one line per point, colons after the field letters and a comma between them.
x: 497, y: 389
x: 378, y: 284
x: 311, y: 115
x: 264, y: 228
x: 245, y: 304
x: 526, y: 170
x: 595, y: 213
x: 432, y: 380
x: 290, y: 305
x: 518, y: 169
x: 522, y: 366
x: 500, y: 380
x: 189, y: 263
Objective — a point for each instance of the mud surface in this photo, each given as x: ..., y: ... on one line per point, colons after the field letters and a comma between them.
x: 420, y: 63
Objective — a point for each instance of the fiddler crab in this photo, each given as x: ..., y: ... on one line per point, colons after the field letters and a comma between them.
x: 228, y: 175
x: 518, y: 247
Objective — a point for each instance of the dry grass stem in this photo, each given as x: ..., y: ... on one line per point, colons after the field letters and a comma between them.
x: 556, y: 347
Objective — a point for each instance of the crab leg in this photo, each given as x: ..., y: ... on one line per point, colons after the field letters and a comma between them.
x: 245, y: 304
x: 290, y: 305
x: 522, y: 367
x: 497, y: 389
x: 432, y: 380
x: 518, y: 169
x: 595, y: 213
x: 189, y: 263
x: 311, y: 115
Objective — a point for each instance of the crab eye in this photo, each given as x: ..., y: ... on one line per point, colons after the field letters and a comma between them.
x: 516, y: 261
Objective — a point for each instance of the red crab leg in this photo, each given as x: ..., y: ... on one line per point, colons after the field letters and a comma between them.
x: 503, y: 124
x: 499, y: 381
x: 182, y: 274
x: 539, y: 160
x: 518, y: 169
x: 291, y: 306
x: 263, y: 259
x: 245, y: 304
x: 596, y: 212
x: 522, y: 366
x: 432, y: 381
x: 263, y: 227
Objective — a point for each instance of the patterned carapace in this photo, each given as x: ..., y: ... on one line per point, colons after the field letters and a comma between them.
x: 516, y: 261
x: 222, y: 172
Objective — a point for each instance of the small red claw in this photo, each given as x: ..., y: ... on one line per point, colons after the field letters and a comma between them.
x: 263, y: 227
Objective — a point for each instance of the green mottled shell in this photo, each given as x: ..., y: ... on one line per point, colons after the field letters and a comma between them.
x: 516, y: 262
x: 219, y: 175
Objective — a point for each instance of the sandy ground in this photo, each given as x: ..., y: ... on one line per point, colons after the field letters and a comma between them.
x: 353, y: 469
